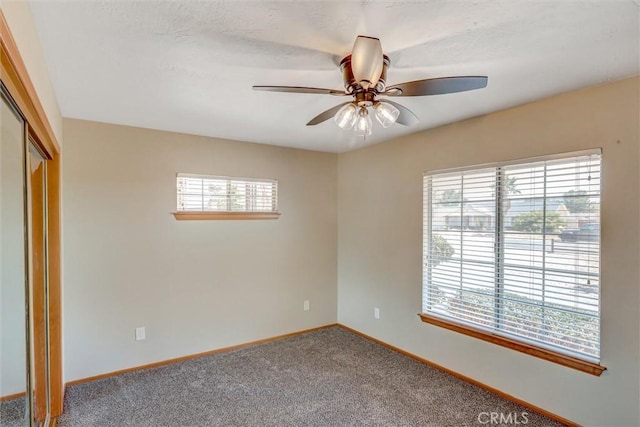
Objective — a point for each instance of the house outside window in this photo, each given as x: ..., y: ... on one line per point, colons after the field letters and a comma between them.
x: 220, y: 197
x: 513, y: 250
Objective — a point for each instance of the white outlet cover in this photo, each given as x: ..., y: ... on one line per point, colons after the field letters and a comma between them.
x: 376, y: 312
x: 140, y: 333
x: 306, y: 305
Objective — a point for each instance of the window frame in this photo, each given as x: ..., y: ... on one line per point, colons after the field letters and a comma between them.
x: 477, y: 332
x: 247, y: 214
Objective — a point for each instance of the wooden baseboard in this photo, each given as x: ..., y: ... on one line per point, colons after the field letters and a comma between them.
x: 467, y: 379
x: 12, y: 396
x: 193, y: 356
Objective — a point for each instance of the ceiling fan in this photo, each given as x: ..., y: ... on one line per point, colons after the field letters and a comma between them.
x: 365, y: 73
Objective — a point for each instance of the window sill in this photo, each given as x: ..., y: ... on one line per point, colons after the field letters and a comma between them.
x: 212, y: 216
x: 551, y: 356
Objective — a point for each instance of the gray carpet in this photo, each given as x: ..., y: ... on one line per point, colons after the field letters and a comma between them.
x: 12, y: 413
x: 329, y: 377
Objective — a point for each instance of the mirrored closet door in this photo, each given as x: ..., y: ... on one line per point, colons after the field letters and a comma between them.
x: 25, y: 379
x: 15, y: 345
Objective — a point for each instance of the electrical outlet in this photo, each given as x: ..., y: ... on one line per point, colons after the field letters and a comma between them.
x: 306, y: 305
x: 140, y: 333
x: 376, y: 312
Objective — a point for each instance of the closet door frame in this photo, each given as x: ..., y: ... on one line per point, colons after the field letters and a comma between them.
x: 16, y: 80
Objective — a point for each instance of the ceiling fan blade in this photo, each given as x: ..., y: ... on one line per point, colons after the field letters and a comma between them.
x: 437, y: 86
x: 326, y: 115
x: 367, y: 61
x: 406, y: 117
x: 301, y: 89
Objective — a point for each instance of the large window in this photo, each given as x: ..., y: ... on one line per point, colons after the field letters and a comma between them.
x: 513, y: 251
x: 205, y: 194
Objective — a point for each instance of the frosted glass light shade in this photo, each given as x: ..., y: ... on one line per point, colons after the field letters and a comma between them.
x: 363, y: 123
x: 346, y: 116
x: 367, y: 61
x: 386, y: 113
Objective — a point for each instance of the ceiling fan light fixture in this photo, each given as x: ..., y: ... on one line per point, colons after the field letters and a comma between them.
x: 363, y: 123
x: 386, y: 113
x: 364, y: 75
x: 367, y: 61
x: 346, y: 116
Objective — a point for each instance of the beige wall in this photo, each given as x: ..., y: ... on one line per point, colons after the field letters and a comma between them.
x: 194, y: 285
x: 380, y: 246
x: 20, y: 21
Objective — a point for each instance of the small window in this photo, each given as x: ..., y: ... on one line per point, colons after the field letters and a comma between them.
x: 220, y: 197
x: 512, y: 256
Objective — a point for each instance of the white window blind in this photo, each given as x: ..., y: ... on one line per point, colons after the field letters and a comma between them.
x: 204, y: 193
x: 515, y: 250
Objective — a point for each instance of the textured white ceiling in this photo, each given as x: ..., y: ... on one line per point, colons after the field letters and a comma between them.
x: 188, y: 66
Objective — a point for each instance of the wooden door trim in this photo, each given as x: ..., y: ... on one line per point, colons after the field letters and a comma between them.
x: 37, y: 281
x: 56, y: 385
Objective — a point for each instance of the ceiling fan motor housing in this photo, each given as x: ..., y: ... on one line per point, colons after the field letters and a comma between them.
x: 350, y: 84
